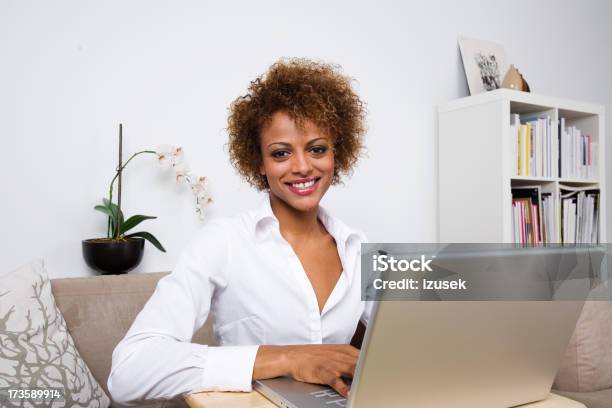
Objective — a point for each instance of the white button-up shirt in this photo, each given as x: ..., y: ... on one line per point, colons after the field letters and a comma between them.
x: 243, y: 271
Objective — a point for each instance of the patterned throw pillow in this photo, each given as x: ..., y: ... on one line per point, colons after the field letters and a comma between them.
x: 36, y: 350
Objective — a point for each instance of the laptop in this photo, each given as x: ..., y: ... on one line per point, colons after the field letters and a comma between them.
x: 460, y: 353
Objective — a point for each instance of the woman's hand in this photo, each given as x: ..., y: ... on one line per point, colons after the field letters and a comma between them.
x: 324, y: 364
x: 312, y: 363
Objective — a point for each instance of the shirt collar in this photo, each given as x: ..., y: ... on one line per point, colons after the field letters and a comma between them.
x: 264, y: 220
x: 263, y: 217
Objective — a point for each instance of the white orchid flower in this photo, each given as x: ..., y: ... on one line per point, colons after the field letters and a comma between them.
x: 165, y: 154
x: 198, y: 185
x: 171, y: 156
x: 178, y: 156
x: 181, y: 170
x: 165, y: 150
x: 203, y: 201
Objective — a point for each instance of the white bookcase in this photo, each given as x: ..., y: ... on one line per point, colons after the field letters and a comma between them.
x: 476, y: 161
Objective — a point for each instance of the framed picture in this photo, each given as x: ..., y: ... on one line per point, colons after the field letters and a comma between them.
x: 484, y: 63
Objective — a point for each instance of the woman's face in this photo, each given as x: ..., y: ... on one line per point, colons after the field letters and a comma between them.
x: 297, y: 162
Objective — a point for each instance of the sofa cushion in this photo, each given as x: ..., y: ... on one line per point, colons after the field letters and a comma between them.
x: 595, y: 399
x: 99, y: 310
x: 587, y: 364
x: 36, y: 349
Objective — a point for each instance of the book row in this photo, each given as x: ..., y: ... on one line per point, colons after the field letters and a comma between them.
x: 577, y: 153
x: 570, y: 216
x: 541, y: 151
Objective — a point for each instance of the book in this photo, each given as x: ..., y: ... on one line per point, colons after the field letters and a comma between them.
x: 576, y: 152
x: 550, y: 214
x: 527, y: 201
x: 534, y: 149
x: 580, y: 213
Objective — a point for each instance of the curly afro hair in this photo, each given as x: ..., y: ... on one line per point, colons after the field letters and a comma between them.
x: 305, y: 90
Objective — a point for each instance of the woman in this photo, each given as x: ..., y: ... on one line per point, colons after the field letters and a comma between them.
x: 282, y: 280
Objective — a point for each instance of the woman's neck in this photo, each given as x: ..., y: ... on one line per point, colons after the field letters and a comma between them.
x: 294, y: 225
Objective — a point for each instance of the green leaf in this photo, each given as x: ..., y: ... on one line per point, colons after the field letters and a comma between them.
x: 113, y: 208
x: 104, y: 209
x: 149, y: 237
x: 133, y: 221
x: 111, y: 216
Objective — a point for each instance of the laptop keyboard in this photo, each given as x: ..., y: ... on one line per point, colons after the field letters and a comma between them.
x: 329, y: 397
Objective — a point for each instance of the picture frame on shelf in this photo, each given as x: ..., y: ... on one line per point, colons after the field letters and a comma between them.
x: 484, y: 63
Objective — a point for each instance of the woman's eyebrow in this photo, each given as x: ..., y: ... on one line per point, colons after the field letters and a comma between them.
x: 284, y: 144
x: 279, y: 143
x: 315, y: 140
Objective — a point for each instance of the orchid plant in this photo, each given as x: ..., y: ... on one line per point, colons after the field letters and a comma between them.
x: 168, y: 157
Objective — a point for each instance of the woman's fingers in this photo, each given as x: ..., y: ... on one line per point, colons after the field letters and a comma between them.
x: 340, y: 386
x: 353, y: 351
x: 343, y: 366
x: 325, y: 364
x: 346, y: 359
x: 336, y: 367
x: 346, y: 349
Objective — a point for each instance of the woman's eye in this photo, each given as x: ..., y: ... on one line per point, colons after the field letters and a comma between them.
x: 279, y: 154
x: 318, y: 149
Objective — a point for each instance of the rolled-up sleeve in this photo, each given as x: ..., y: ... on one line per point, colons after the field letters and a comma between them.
x: 156, y: 359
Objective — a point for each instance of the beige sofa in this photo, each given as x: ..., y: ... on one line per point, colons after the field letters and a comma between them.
x: 99, y: 311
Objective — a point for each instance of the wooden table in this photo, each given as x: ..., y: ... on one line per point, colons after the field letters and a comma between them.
x: 256, y: 400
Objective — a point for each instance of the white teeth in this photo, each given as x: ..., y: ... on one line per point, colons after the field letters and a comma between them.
x: 303, y: 185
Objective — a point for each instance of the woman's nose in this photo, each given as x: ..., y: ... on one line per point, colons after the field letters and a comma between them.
x: 301, y: 164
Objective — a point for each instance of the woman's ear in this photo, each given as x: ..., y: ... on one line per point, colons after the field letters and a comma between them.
x: 262, y: 170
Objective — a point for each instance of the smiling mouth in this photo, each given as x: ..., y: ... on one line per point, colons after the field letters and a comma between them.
x: 304, y: 184
x: 304, y: 188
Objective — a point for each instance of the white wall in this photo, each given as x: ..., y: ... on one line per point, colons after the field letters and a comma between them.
x: 70, y: 71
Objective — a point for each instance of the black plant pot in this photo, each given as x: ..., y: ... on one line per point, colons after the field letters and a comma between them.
x: 113, y: 257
